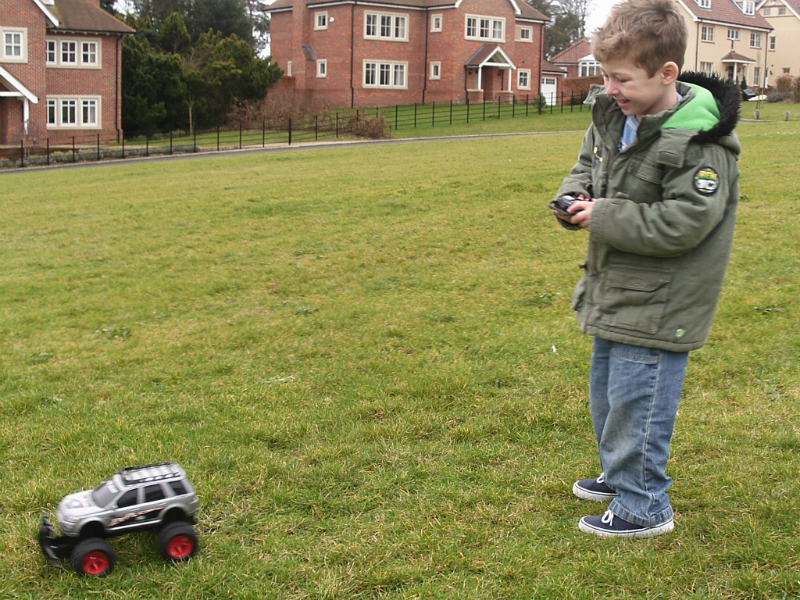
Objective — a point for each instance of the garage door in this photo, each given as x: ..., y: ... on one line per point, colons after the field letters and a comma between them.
x: 550, y: 89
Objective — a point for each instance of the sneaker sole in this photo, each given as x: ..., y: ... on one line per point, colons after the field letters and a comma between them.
x: 636, y: 533
x: 585, y: 494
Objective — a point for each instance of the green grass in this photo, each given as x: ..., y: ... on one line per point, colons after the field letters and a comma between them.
x: 366, y: 361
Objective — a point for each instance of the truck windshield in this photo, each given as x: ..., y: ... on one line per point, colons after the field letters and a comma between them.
x: 104, y: 493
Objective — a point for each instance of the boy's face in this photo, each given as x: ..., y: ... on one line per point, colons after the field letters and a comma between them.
x: 635, y: 91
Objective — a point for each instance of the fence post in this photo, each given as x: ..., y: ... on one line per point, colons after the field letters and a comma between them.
x: 337, y: 126
x: 74, y: 159
x: 123, y: 145
x: 572, y: 101
x: 562, y: 101
x: 170, y: 142
x: 552, y: 101
x: 433, y: 115
x: 22, y: 153
x: 48, y: 152
x: 217, y: 138
x: 484, y: 108
x: 98, y: 147
x: 451, y: 111
x: 194, y: 141
x: 467, y: 108
x: 415, y: 115
x: 316, y: 128
x: 240, y: 136
x: 263, y: 133
x: 290, y: 132
x: 580, y: 96
x: 395, y: 116
x: 513, y: 106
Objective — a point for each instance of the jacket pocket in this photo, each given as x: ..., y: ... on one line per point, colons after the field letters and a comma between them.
x: 634, y: 298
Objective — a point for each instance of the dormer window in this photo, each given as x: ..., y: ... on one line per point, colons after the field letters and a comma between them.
x: 748, y: 7
x: 703, y: 3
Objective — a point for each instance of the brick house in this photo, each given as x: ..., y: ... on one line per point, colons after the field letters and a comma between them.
x: 362, y: 53
x: 59, y: 71
x: 727, y: 37
x: 571, y: 58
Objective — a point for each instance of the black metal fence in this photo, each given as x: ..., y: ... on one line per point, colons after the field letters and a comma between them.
x: 328, y: 126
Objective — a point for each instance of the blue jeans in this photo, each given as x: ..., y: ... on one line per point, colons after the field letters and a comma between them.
x: 634, y: 395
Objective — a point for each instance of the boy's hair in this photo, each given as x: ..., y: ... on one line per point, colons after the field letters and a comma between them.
x: 651, y: 32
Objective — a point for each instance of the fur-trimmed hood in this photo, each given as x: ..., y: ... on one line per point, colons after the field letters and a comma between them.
x: 727, y: 95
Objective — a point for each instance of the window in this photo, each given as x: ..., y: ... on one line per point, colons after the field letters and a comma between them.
x: 757, y: 76
x: 321, y: 22
x: 772, y: 43
x: 589, y: 68
x: 704, y: 3
x: 69, y: 112
x: 128, y: 499
x: 384, y: 26
x: 52, y: 116
x: 524, y: 79
x: 733, y: 34
x: 289, y: 70
x: 436, y: 70
x: 485, y: 28
x: 748, y: 7
x: 385, y: 74
x: 786, y: 70
x: 69, y: 53
x: 755, y: 40
x: 707, y: 68
x: 767, y: 12
x: 73, y: 113
x: 524, y: 34
x: 52, y: 52
x: 436, y: 23
x: 89, y: 53
x: 153, y: 493
x: 707, y: 34
x: 178, y: 487
x: 781, y: 11
x: 15, y: 45
x: 89, y: 112
x: 322, y: 68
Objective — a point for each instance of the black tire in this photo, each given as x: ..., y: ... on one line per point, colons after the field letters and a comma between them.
x: 93, y: 557
x: 178, y: 542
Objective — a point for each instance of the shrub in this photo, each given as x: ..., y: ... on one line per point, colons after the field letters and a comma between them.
x: 374, y: 128
x: 778, y: 96
x: 796, y: 90
x: 784, y: 83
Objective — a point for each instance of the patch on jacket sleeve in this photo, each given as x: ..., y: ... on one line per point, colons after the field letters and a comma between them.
x: 706, y: 181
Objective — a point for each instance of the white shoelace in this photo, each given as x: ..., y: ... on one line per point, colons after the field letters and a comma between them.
x: 607, y: 518
x: 602, y: 478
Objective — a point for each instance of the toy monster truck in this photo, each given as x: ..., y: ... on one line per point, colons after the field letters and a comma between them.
x: 147, y: 497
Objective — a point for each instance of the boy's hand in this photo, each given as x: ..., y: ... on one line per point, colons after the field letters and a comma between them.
x: 582, y: 213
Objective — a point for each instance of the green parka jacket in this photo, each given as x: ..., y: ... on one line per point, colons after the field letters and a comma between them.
x: 662, y: 226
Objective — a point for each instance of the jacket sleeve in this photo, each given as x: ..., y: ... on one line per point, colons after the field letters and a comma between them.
x: 579, y: 180
x: 694, y: 199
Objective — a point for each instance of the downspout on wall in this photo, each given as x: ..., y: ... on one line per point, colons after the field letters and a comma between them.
x: 425, y: 65
x: 352, y: 51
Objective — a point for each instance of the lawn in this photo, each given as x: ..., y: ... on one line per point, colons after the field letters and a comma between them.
x: 365, y: 359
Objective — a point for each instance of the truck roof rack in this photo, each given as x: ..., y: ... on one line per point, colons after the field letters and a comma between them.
x: 152, y: 472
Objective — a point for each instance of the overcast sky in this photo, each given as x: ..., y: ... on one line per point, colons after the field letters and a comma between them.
x: 598, y: 13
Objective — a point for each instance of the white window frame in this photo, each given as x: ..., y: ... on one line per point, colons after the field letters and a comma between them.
x: 386, y: 26
x: 320, y: 20
x: 773, y: 43
x: 289, y: 69
x: 703, y: 3
x: 384, y: 74
x: 14, y: 38
x: 436, y: 70
x: 706, y: 67
x: 756, y: 76
x: 589, y: 68
x: 733, y: 34
x: 484, y: 28
x: 755, y: 39
x: 322, y: 68
x: 747, y: 7
x: 86, y: 52
x: 526, y: 75
x: 766, y: 12
x: 436, y: 23
x: 528, y: 37
x: 51, y: 51
x: 707, y: 34
x: 83, y: 112
x: 781, y: 11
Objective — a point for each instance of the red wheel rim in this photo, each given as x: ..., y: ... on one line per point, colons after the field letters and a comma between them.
x: 95, y: 563
x: 180, y: 546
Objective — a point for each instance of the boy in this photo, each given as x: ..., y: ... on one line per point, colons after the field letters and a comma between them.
x: 658, y: 186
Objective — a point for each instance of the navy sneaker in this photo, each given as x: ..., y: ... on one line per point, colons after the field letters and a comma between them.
x: 611, y: 526
x: 594, y: 489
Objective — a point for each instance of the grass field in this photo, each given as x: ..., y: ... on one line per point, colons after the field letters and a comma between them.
x: 366, y: 361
